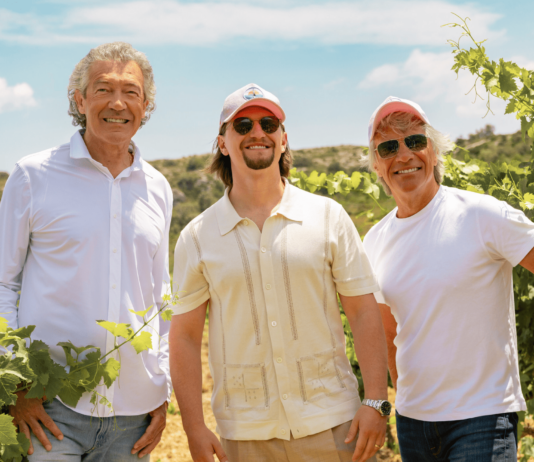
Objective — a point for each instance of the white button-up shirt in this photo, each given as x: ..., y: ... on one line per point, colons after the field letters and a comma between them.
x: 82, y: 246
x: 277, y: 347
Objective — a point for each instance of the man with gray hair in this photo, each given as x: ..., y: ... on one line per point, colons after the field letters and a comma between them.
x: 444, y: 259
x: 84, y: 236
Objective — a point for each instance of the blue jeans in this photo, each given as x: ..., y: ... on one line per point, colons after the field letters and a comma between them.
x: 490, y: 438
x: 91, y: 439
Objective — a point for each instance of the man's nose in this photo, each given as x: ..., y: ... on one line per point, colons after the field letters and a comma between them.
x: 257, y: 131
x: 117, y: 101
x: 404, y: 154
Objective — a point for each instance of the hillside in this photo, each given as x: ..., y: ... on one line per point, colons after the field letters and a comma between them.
x: 194, y: 190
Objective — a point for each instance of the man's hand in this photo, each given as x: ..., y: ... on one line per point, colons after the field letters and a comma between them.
x: 203, y: 444
x: 371, y: 429
x: 152, y: 435
x: 26, y: 415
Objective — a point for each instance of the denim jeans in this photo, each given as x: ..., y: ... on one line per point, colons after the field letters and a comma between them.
x: 490, y: 438
x: 91, y: 439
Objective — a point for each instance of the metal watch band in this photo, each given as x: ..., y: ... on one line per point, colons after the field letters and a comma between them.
x: 374, y: 403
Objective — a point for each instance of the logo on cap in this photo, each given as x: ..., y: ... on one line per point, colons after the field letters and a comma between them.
x: 252, y: 92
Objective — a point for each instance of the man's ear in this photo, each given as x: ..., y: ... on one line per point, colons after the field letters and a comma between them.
x: 376, y: 169
x: 284, y: 142
x: 80, y: 101
x: 146, y: 105
x: 222, y: 145
x: 433, y: 153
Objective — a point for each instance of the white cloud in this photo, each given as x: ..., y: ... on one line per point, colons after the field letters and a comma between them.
x: 334, y: 83
x: 15, y: 97
x: 427, y: 77
x: 398, y: 22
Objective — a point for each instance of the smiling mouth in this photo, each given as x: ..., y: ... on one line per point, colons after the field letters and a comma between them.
x: 116, y: 121
x: 257, y: 146
x: 408, y: 170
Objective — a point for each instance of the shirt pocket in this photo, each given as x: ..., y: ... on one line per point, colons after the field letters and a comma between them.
x: 245, y: 386
x: 319, y: 376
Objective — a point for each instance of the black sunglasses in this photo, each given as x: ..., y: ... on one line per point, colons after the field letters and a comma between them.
x: 268, y: 124
x: 390, y: 148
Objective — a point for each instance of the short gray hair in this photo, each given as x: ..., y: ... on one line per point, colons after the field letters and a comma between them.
x: 401, y: 123
x: 117, y: 51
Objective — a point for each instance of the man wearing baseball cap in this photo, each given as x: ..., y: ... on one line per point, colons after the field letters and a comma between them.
x: 444, y: 260
x: 271, y: 259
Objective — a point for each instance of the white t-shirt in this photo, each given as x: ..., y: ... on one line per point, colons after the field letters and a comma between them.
x: 446, y: 273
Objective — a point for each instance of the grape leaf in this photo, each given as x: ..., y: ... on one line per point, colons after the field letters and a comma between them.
x: 356, y: 179
x: 110, y: 371
x: 92, y: 370
x: 70, y: 393
x: 8, y: 386
x: 142, y: 342
x: 118, y: 330
x: 141, y: 313
x: 49, y: 374
x: 68, y: 346
x: 23, y: 332
x: 12, y: 372
x: 16, y: 452
x: 8, y: 431
x: 3, y: 324
x: 166, y: 315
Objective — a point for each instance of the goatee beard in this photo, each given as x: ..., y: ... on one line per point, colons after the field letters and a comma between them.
x: 258, y: 164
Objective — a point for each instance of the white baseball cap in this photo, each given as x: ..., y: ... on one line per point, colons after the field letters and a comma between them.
x: 394, y: 104
x: 250, y: 95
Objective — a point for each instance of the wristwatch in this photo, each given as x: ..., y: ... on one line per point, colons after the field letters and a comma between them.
x: 381, y: 405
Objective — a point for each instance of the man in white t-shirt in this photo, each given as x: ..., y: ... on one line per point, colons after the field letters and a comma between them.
x: 444, y: 260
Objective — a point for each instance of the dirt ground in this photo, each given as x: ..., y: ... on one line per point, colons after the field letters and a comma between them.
x: 173, y: 446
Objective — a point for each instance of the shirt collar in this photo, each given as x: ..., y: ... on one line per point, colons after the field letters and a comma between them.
x: 290, y: 207
x: 78, y: 150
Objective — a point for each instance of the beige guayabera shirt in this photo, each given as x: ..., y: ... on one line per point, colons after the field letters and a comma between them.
x: 277, y: 348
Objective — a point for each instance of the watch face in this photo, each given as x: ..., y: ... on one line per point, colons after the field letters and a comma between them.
x: 385, y: 408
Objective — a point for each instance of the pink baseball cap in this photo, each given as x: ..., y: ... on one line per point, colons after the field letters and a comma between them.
x: 394, y: 104
x: 250, y: 95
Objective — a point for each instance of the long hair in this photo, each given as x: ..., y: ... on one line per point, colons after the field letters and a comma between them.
x: 401, y: 123
x: 117, y: 51
x: 220, y: 165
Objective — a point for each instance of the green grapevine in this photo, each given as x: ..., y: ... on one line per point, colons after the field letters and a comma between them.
x: 27, y: 365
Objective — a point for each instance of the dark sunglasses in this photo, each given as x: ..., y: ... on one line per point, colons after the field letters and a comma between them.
x: 390, y: 148
x: 268, y: 124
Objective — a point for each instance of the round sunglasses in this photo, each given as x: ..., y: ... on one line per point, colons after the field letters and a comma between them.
x: 268, y: 124
x: 390, y: 148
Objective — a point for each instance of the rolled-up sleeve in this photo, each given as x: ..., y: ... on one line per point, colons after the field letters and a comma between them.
x: 352, y: 271
x: 189, y: 281
x: 15, y: 215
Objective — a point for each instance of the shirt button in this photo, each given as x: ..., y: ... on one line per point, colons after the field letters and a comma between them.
x: 278, y: 360
x: 263, y: 249
x: 113, y: 286
x: 114, y: 215
x: 284, y: 396
x: 273, y: 323
x: 245, y: 222
x: 268, y: 286
x: 114, y: 250
x: 283, y: 432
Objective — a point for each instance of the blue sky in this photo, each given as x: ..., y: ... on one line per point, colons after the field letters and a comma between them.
x: 331, y: 63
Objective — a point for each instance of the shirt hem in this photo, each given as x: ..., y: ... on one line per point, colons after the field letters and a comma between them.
x: 311, y: 425
x: 516, y: 406
x: 110, y: 414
